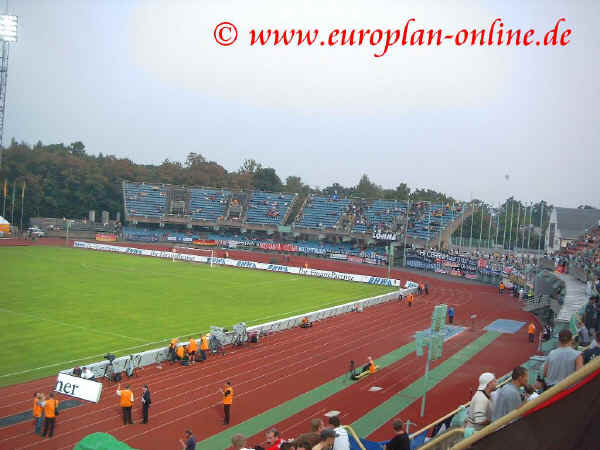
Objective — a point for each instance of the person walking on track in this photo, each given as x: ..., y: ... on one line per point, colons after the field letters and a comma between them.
x: 411, y: 298
x: 50, y: 413
x: 126, y: 403
x: 531, y: 332
x: 451, y: 315
x: 227, y: 392
x: 146, y: 401
x: 501, y: 288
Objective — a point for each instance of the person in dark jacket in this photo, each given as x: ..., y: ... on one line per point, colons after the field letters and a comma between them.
x: 146, y: 401
x: 400, y: 441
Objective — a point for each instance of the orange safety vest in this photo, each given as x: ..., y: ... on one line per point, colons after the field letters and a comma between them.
x: 193, y: 345
x: 180, y: 351
x: 50, y: 408
x: 410, y: 298
x: 228, y: 399
x: 37, y: 408
x: 501, y: 285
x: 125, y: 398
x: 531, y: 329
x: 372, y: 367
x: 204, y: 343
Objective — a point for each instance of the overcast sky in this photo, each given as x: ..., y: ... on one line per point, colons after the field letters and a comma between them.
x: 146, y: 80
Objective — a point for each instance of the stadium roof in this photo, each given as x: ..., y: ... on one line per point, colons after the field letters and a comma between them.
x: 572, y: 222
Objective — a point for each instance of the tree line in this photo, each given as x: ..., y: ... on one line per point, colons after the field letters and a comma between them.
x: 65, y: 181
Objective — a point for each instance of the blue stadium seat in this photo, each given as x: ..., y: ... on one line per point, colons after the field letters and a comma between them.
x: 322, y: 212
x: 208, y: 204
x: 265, y: 208
x: 145, y: 200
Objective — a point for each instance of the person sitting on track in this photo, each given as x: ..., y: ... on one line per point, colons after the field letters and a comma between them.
x: 181, y: 353
x: 171, y: 356
x: 305, y: 323
x: 370, y: 367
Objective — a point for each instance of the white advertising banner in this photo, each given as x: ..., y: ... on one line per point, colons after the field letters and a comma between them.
x: 243, y: 264
x: 78, y: 387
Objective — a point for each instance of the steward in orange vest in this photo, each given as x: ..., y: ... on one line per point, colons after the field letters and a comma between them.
x: 227, y: 392
x: 126, y: 403
x: 180, y: 352
x: 411, y: 298
x: 372, y: 367
x: 203, y: 346
x: 531, y: 332
x: 192, y: 349
x: 50, y: 411
x: 37, y: 412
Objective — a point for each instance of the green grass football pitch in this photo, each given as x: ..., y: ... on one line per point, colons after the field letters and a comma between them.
x: 62, y: 307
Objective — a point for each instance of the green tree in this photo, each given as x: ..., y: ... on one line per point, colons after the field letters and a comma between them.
x: 194, y: 159
x: 339, y: 189
x: 294, y: 184
x: 250, y: 166
x: 367, y: 189
x: 266, y: 179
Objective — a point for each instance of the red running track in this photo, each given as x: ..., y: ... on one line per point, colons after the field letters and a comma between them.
x: 280, y: 368
x: 501, y: 356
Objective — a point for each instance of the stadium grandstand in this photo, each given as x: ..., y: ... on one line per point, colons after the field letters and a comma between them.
x: 552, y: 292
x: 260, y: 247
x: 312, y: 217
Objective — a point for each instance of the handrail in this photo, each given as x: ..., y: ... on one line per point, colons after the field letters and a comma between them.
x: 572, y: 379
x: 450, y: 414
x: 432, y: 444
x: 355, y: 436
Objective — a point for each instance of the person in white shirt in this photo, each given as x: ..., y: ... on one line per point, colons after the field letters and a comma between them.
x: 239, y: 442
x: 480, y: 410
x: 342, y: 442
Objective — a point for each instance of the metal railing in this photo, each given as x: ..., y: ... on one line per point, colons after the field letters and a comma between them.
x: 355, y: 436
x: 450, y: 414
x: 445, y: 441
x: 565, y: 384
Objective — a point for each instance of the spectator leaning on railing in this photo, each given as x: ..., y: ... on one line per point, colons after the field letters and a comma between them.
x: 589, y: 354
x: 400, y: 441
x: 480, y: 409
x: 509, y: 396
x: 561, y: 361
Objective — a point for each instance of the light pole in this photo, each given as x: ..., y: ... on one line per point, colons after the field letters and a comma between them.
x: 8, y: 34
x: 69, y: 222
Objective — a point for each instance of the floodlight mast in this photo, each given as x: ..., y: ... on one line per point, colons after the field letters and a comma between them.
x: 8, y: 34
